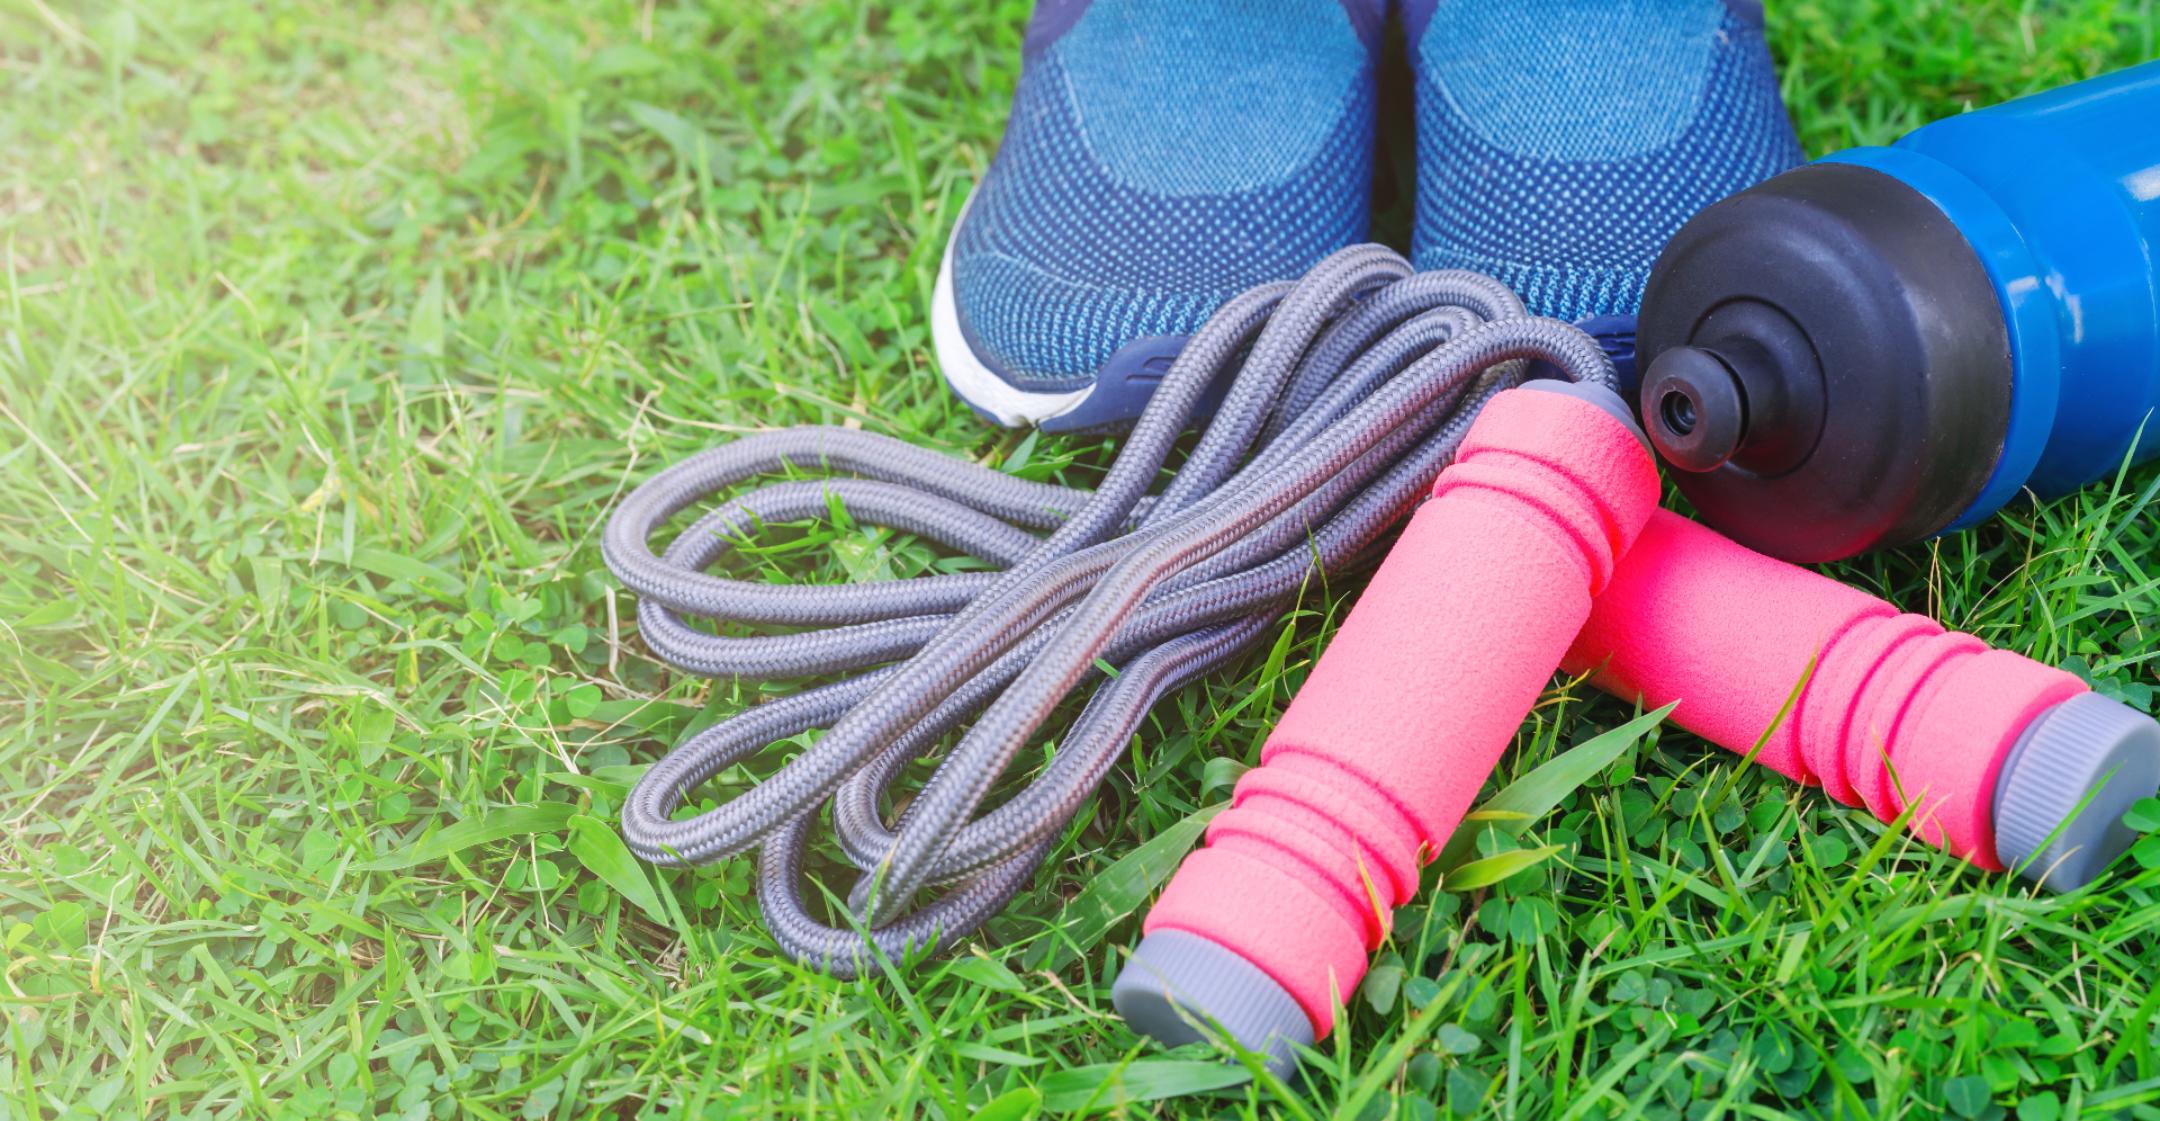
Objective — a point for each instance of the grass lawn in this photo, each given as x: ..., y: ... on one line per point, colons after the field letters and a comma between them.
x: 328, y: 333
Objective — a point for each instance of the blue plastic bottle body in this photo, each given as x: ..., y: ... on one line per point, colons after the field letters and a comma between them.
x: 2059, y: 194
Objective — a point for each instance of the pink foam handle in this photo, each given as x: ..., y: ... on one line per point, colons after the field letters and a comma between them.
x: 1897, y: 712
x: 1407, y: 712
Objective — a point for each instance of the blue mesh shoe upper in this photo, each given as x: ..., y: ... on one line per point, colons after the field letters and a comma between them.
x: 1561, y: 143
x: 1161, y: 157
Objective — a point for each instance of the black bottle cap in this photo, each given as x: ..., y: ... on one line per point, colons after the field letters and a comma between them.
x: 1825, y: 362
x: 1695, y: 402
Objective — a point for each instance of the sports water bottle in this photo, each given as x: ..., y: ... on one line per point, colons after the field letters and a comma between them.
x: 1890, y: 343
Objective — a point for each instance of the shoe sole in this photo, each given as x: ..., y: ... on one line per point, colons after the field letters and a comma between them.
x: 971, y: 379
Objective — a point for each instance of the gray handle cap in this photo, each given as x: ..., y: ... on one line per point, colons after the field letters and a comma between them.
x: 1176, y: 985
x: 2088, y: 747
x: 1601, y: 396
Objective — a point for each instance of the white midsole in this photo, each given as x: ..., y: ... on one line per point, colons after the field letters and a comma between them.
x: 974, y: 382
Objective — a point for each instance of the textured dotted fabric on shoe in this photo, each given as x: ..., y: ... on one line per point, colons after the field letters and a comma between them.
x: 1561, y: 143
x: 1258, y: 90
x: 1158, y: 159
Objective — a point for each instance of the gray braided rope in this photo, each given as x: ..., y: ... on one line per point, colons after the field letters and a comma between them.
x: 1350, y: 389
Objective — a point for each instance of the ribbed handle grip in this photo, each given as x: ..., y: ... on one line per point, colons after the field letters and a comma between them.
x: 1896, y: 711
x: 1409, y: 708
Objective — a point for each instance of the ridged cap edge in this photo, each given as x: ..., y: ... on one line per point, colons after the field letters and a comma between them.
x: 1177, y: 984
x: 2088, y: 751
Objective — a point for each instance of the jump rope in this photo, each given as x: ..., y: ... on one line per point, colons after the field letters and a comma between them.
x: 1348, y: 391
x: 1353, y: 393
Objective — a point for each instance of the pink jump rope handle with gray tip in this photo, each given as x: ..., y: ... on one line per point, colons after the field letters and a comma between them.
x: 1539, y: 547
x: 1378, y: 758
x: 2000, y: 760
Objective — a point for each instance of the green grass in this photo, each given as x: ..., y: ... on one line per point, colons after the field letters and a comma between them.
x: 329, y: 331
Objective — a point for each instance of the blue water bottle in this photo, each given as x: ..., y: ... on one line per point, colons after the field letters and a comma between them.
x: 1890, y: 343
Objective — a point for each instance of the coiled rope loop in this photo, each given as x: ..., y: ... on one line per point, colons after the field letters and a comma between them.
x: 1349, y: 390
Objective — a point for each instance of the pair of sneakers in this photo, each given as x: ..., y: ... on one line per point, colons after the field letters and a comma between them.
x: 1164, y: 155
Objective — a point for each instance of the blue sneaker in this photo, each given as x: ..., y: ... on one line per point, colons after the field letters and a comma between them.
x: 1561, y: 143
x: 1159, y: 158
